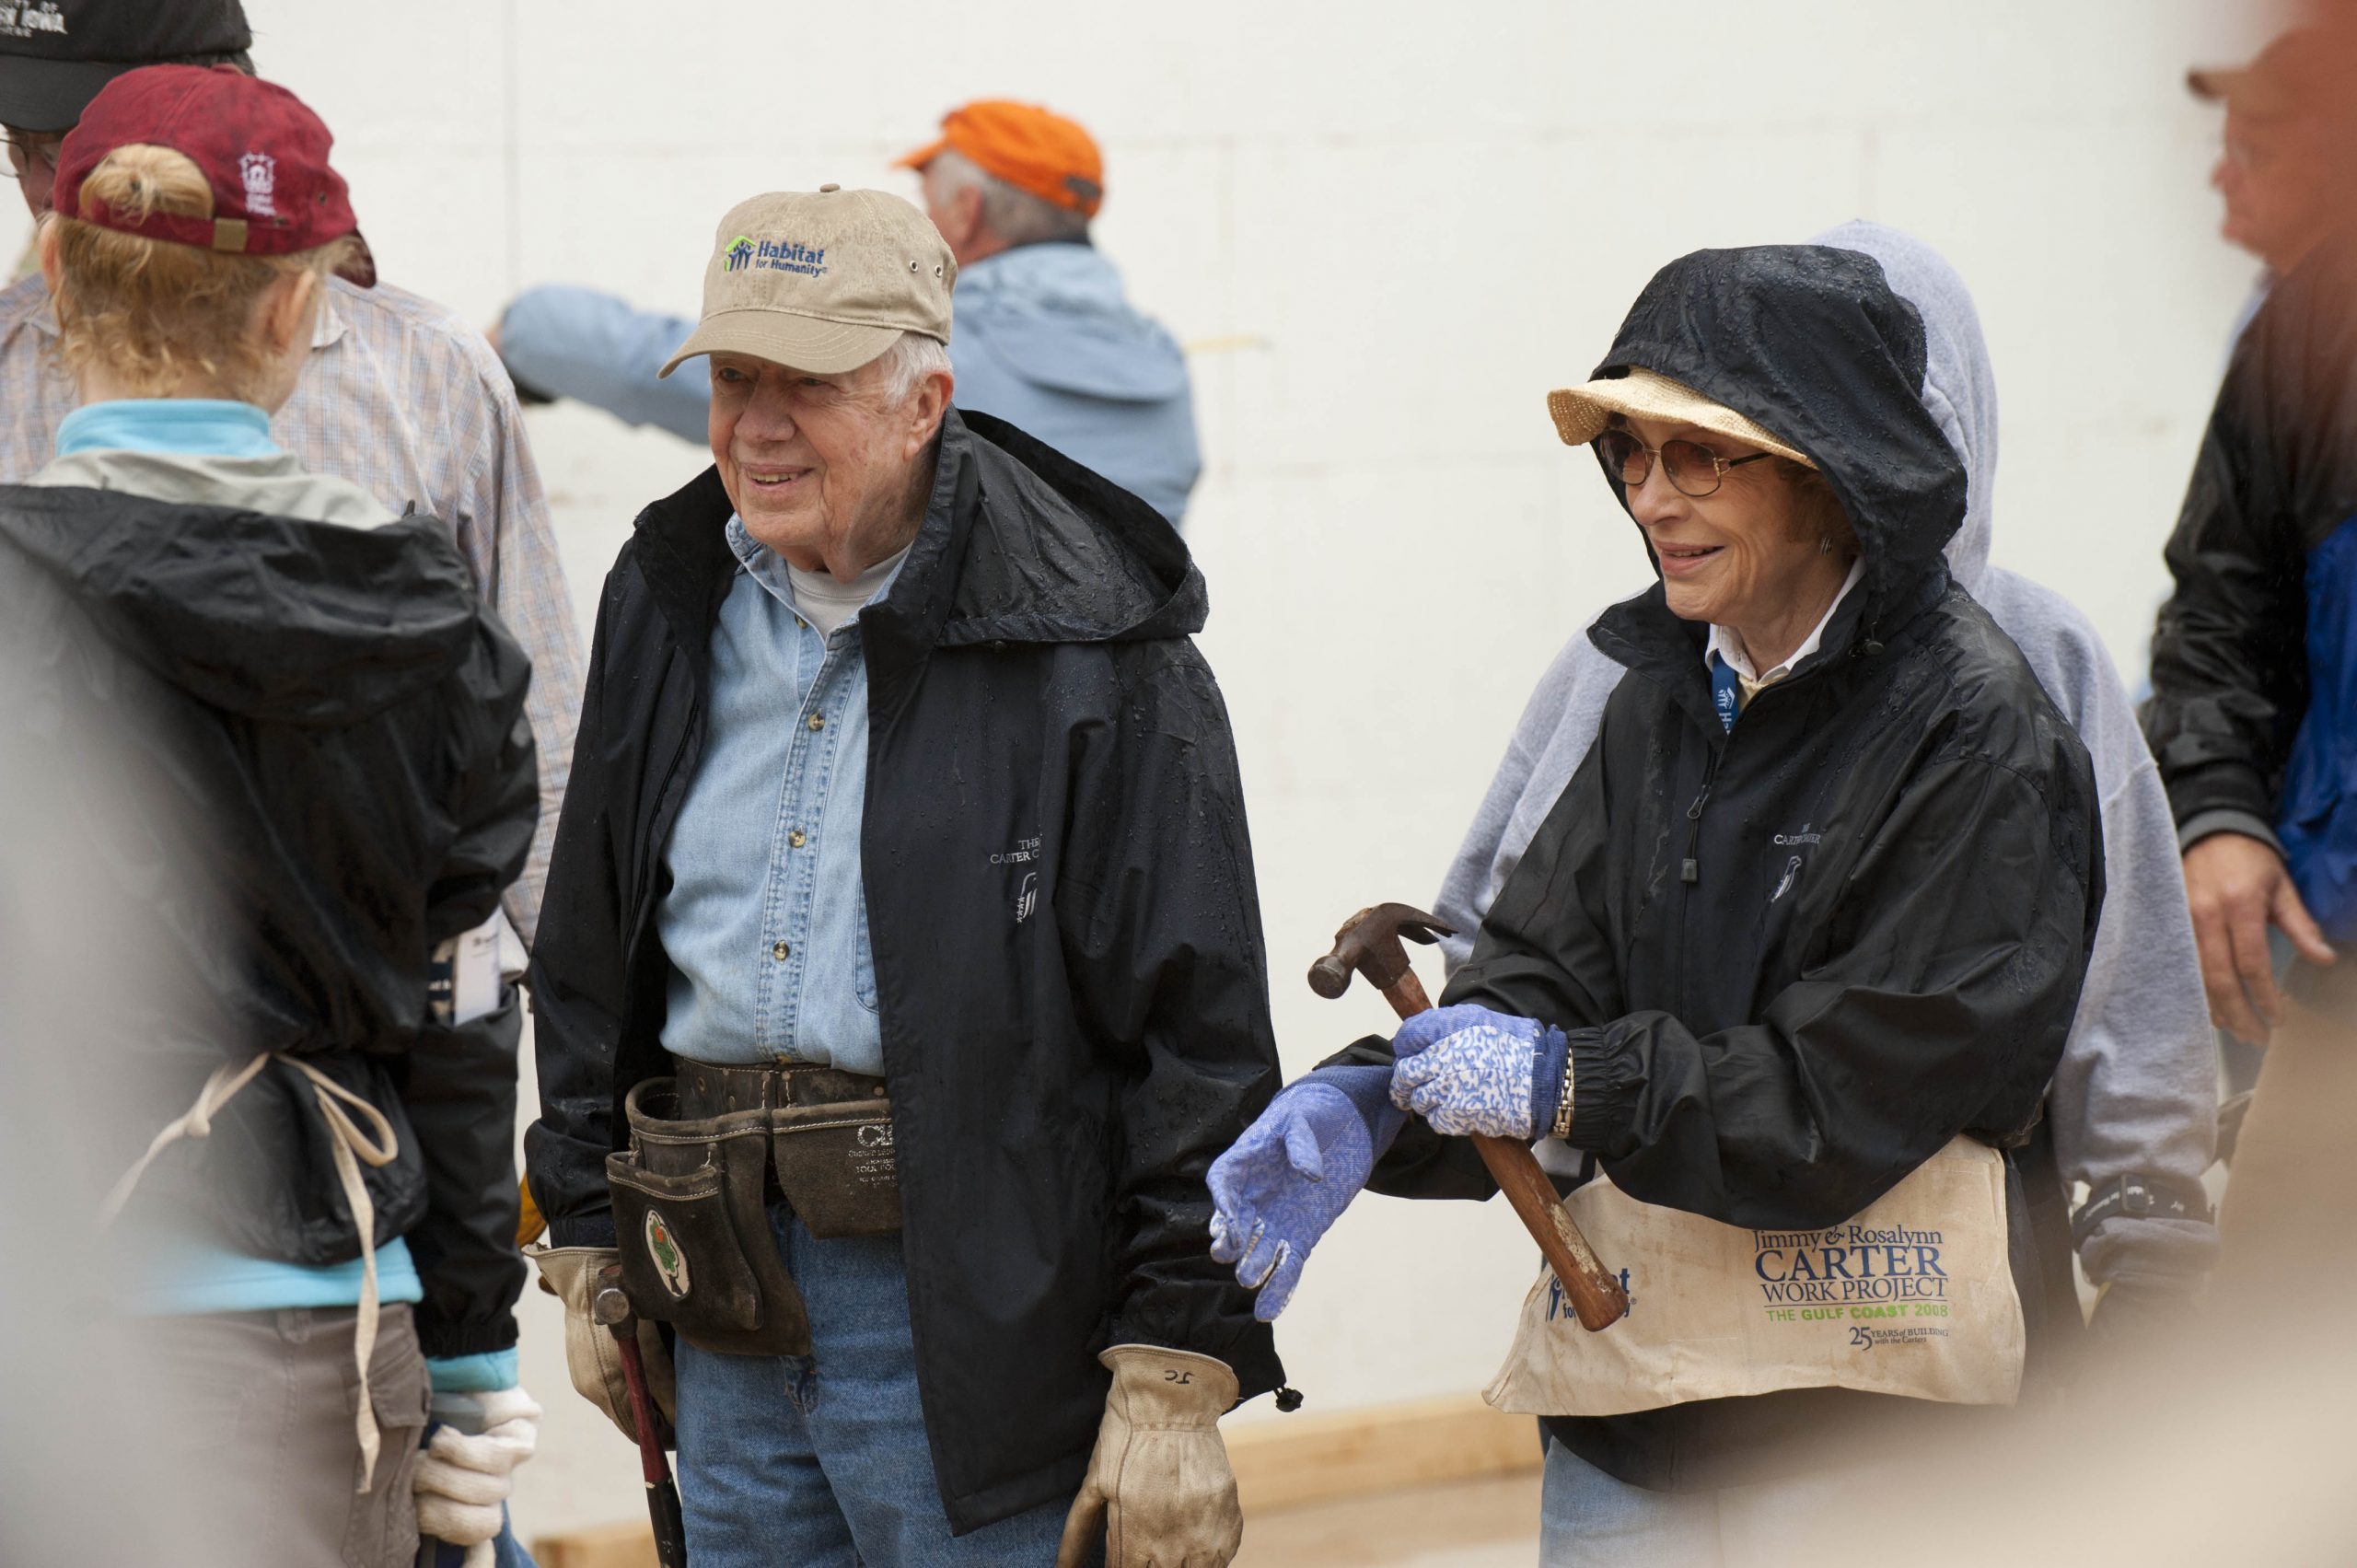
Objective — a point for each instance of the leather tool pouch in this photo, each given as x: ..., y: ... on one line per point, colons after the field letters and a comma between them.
x: 830, y: 1138
x: 691, y: 1217
x: 836, y: 1167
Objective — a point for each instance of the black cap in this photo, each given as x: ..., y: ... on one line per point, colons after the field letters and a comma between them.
x: 56, y: 54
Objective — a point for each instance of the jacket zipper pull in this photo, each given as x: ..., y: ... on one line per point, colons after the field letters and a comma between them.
x: 1691, y: 871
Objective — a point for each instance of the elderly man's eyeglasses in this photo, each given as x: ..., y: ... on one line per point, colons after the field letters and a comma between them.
x: 1692, y: 468
x: 27, y: 148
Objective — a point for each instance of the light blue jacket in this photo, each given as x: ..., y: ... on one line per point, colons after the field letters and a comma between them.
x: 1043, y: 337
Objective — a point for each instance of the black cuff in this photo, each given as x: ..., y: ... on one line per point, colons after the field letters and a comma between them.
x: 1601, y: 1104
x: 2137, y: 1196
x: 583, y: 1230
x: 2226, y: 819
x: 444, y: 1339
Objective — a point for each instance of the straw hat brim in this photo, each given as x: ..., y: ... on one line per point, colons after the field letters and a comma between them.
x: 1582, y: 413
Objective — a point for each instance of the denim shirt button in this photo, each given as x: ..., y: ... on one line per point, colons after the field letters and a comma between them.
x: 781, y: 952
x: 818, y: 721
x: 796, y: 840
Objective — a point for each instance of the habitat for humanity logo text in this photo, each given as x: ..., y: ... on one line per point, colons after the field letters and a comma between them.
x: 774, y: 255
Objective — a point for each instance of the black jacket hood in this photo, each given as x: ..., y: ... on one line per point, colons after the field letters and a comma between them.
x: 275, y: 618
x: 1813, y: 344
x: 1019, y: 545
x: 1054, y: 551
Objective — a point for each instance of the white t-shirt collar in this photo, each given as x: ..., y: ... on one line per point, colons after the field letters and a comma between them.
x: 1727, y: 643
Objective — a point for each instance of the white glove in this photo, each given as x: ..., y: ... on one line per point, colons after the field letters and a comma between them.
x: 462, y: 1480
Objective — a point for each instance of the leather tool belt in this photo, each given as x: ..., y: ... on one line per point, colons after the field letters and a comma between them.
x: 708, y: 1148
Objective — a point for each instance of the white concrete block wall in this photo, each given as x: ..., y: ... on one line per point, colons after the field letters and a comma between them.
x: 1393, y: 227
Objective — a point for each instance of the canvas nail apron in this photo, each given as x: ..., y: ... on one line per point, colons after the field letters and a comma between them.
x: 1913, y: 1296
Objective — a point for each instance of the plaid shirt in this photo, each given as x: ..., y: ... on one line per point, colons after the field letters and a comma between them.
x: 407, y: 402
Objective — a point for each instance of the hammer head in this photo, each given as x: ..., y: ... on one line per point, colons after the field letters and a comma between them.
x: 609, y: 1307
x: 1369, y: 944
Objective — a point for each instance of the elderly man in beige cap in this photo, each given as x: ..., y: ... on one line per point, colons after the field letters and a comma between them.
x: 902, y: 970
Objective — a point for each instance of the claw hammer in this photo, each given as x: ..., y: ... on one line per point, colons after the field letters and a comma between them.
x: 611, y: 1309
x: 1369, y: 944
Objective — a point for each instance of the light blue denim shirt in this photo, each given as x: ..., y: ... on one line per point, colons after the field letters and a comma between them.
x: 1044, y: 338
x: 766, y: 921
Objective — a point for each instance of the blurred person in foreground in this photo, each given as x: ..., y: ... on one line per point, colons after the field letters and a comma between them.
x: 402, y: 397
x: 1789, y: 963
x: 2253, y: 722
x: 903, y: 971
x: 324, y: 1240
x: 86, y: 988
x: 2132, y: 1110
x: 1046, y: 339
x: 2274, y: 175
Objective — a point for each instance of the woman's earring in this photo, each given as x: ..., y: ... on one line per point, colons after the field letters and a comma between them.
x: 1825, y: 544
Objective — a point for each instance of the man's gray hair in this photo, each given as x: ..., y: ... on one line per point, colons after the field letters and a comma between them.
x: 909, y: 361
x: 1016, y: 216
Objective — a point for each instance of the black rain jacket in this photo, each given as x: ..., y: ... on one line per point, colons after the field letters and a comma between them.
x: 2252, y: 721
x: 1061, y: 1078
x: 1797, y: 958
x: 329, y: 745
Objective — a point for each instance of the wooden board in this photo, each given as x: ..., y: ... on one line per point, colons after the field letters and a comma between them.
x: 1292, y: 1459
x: 1281, y: 1462
x: 629, y: 1545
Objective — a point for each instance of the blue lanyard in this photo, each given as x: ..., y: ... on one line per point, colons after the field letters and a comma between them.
x: 1727, y: 693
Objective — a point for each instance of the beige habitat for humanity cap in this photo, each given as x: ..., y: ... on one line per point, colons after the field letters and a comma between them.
x: 821, y: 281
x: 1583, y: 411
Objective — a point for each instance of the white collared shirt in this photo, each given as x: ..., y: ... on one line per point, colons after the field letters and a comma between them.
x: 1727, y: 643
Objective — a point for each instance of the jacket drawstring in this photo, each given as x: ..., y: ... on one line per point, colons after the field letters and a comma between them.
x: 1690, y: 871
x: 353, y: 1148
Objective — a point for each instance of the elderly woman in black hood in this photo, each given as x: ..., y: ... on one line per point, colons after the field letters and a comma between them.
x: 1790, y: 962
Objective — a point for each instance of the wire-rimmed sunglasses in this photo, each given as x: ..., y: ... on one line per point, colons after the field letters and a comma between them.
x: 28, y: 147
x: 1693, y: 469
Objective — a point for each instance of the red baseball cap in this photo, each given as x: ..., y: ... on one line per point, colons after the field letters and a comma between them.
x: 262, y: 150
x: 1031, y: 148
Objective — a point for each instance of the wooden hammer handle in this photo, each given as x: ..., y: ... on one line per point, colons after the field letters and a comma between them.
x: 1597, y: 1295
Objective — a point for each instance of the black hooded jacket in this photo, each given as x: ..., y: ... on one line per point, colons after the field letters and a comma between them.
x: 1796, y: 958
x: 1061, y: 1079
x: 328, y: 745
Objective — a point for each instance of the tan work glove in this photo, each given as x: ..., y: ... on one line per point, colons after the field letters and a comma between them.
x: 570, y: 1273
x: 1158, y: 1486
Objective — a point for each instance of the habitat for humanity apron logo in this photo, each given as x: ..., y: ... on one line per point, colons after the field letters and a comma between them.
x: 772, y: 255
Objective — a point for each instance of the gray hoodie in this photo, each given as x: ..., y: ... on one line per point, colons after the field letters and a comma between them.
x: 2136, y: 1090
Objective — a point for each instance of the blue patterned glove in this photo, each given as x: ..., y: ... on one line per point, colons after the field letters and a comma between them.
x: 1466, y: 1069
x: 1274, y: 1194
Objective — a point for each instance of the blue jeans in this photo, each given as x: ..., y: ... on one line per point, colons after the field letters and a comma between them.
x: 1588, y: 1519
x: 820, y: 1460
